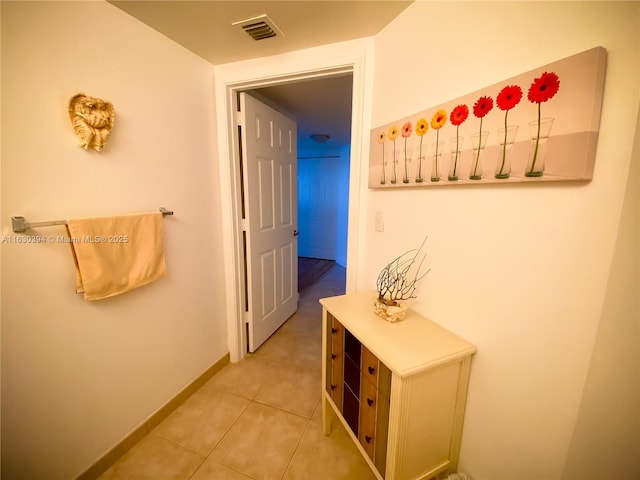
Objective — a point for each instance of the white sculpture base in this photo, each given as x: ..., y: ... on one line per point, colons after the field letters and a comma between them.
x: 391, y: 313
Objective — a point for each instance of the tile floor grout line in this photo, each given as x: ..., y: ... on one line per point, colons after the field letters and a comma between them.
x: 280, y: 409
x: 175, y: 442
x: 293, y: 454
x: 228, y: 429
x: 298, y: 360
x: 220, y: 440
x: 178, y: 444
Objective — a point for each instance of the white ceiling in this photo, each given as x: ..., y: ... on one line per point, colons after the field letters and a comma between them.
x: 320, y: 107
x: 204, y: 27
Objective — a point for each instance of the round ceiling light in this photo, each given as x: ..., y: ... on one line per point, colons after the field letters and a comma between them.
x: 320, y: 137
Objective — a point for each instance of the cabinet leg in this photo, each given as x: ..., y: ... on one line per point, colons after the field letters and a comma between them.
x: 327, y: 415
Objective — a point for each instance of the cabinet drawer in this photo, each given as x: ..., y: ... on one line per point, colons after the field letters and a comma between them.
x: 382, y: 433
x: 350, y: 410
x: 369, y: 366
x: 384, y: 380
x: 352, y: 347
x: 352, y: 375
x: 368, y: 397
x: 337, y: 336
x: 376, y: 372
x: 337, y: 374
x: 367, y: 433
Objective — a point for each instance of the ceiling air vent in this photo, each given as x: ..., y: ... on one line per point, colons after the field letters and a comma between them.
x: 259, y: 27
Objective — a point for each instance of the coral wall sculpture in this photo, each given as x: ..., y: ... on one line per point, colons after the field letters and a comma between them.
x: 92, y: 120
x: 544, y: 127
x: 397, y: 283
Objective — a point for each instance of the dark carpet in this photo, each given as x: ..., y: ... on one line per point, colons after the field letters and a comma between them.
x: 310, y: 270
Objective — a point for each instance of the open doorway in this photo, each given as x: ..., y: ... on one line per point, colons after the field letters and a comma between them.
x: 348, y: 58
x: 322, y: 109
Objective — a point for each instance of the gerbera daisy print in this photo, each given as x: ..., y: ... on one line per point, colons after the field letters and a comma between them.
x: 542, y: 89
x: 506, y: 100
x: 480, y: 109
x: 537, y: 126
x: 437, y: 122
x: 421, y: 128
x: 406, y: 133
x: 458, y: 115
x: 393, y: 134
x: 381, y: 137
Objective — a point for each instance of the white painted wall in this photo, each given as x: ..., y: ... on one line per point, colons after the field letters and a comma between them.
x: 343, y: 205
x: 606, y: 440
x: 78, y: 376
x: 521, y: 271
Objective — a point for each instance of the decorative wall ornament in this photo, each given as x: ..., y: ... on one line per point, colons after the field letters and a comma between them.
x: 92, y: 120
x: 514, y: 142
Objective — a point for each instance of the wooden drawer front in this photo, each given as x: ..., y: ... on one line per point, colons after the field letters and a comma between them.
x: 374, y: 423
x: 352, y: 347
x: 368, y: 397
x: 384, y: 380
x: 337, y: 375
x: 337, y: 336
x: 367, y: 433
x: 350, y: 410
x: 352, y: 375
x: 376, y: 372
x: 369, y: 366
x: 382, y: 433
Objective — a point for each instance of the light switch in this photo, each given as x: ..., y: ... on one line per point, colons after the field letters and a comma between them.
x: 379, y: 222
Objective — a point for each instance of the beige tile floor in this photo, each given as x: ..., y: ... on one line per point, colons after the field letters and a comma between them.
x: 258, y: 419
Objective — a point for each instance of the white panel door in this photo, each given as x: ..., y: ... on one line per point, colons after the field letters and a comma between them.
x: 318, y: 193
x: 269, y: 159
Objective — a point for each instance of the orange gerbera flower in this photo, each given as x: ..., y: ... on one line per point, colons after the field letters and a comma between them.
x: 406, y: 130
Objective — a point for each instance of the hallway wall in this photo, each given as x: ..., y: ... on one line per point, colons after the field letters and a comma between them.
x: 78, y: 376
x: 529, y: 274
x: 521, y: 271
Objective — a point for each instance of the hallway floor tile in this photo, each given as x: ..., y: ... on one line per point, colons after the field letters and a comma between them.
x: 258, y: 419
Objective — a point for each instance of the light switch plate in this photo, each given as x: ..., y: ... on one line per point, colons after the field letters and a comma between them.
x: 379, y: 222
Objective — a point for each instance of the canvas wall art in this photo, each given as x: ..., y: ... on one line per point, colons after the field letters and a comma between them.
x: 539, y: 126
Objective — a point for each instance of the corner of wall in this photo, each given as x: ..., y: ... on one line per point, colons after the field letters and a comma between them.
x: 606, y: 439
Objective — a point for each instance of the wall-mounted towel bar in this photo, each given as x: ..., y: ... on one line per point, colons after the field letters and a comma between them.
x: 19, y: 224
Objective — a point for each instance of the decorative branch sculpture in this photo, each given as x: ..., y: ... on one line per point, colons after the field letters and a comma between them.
x: 397, y: 281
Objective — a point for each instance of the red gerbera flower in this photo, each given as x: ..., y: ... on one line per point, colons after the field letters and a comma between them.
x: 459, y: 115
x: 509, y: 97
x: 482, y: 106
x: 544, y: 87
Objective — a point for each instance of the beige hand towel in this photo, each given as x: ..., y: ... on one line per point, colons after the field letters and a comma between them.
x: 114, y: 255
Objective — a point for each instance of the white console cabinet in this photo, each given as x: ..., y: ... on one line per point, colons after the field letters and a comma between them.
x: 399, y: 388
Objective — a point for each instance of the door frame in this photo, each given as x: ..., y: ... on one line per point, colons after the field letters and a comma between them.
x: 355, y: 57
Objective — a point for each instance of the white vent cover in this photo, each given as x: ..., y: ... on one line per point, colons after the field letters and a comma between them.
x: 259, y: 27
